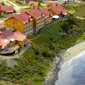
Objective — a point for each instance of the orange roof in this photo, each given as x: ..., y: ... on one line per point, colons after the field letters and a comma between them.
x: 34, y: 13
x: 33, y: 3
x: 23, y: 18
x: 46, y: 12
x: 7, y: 35
x: 53, y: 4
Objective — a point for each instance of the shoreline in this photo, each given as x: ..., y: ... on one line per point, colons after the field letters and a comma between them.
x: 70, y: 53
x: 74, y: 51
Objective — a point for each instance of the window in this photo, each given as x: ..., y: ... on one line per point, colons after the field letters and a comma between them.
x: 13, y: 42
x: 13, y: 23
x: 13, y: 27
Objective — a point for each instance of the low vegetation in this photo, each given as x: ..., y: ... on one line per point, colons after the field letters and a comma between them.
x: 71, y: 7
x: 51, y: 40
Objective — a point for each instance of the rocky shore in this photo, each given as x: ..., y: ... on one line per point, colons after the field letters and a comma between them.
x: 52, y: 76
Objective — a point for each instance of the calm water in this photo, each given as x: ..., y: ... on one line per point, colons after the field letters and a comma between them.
x: 73, y: 71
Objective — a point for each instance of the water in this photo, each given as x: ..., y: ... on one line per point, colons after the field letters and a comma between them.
x: 73, y: 71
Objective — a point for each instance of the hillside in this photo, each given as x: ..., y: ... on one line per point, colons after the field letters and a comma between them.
x: 52, y: 39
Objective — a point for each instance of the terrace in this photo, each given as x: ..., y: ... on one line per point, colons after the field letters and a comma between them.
x: 10, y: 49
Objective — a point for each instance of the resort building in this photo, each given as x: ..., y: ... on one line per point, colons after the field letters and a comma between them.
x: 48, y: 15
x: 1, y: 13
x: 11, y: 42
x: 2, y: 28
x: 7, y: 9
x: 65, y: 4
x: 22, y: 23
x: 34, y: 5
x: 58, y: 10
x: 51, y: 4
x: 38, y: 19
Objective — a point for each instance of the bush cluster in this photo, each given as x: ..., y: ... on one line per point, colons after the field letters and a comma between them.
x: 52, y: 47
x: 46, y: 54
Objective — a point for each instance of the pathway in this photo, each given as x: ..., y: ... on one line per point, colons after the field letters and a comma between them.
x: 79, y: 17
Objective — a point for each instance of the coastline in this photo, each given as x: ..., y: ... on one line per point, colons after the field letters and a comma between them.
x: 52, y: 75
x: 71, y: 52
x: 74, y: 51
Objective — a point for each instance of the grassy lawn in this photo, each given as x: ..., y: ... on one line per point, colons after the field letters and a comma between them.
x: 27, y: 8
x: 80, y: 11
x: 71, y: 9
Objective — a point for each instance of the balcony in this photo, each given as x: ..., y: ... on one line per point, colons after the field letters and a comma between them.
x: 10, y: 49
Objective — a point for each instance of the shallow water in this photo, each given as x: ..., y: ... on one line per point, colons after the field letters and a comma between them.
x: 73, y: 71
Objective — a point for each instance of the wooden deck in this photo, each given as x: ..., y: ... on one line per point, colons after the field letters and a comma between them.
x: 11, y: 50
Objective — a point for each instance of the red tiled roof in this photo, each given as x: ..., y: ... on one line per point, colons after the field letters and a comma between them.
x: 7, y: 8
x: 2, y: 26
x: 23, y: 18
x: 33, y: 3
x: 58, y: 9
x: 46, y: 12
x: 35, y: 13
x: 64, y: 12
x: 19, y: 36
x: 53, y: 4
x: 8, y: 34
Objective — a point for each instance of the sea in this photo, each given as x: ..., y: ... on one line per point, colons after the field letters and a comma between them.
x: 73, y: 71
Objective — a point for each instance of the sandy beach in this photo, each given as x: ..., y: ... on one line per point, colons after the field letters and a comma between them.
x: 73, y: 51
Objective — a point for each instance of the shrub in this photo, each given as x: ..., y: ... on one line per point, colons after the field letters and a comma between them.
x: 14, y: 11
x: 36, y: 51
x: 52, y: 47
x: 51, y: 39
x: 65, y: 26
x: 2, y: 3
x: 71, y: 20
x: 52, y: 55
x: 44, y: 53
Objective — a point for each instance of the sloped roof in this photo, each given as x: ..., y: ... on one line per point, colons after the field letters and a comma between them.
x: 34, y: 3
x: 2, y: 26
x: 64, y: 12
x: 19, y: 36
x: 46, y: 12
x: 53, y: 4
x: 34, y: 13
x: 23, y: 18
x: 7, y: 35
x: 58, y: 9
x: 7, y: 8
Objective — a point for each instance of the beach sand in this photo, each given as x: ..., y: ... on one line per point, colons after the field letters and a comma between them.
x: 73, y: 51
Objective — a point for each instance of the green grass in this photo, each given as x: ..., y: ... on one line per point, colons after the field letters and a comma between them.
x: 32, y: 68
x: 27, y: 8
x: 80, y: 11
x: 71, y: 9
